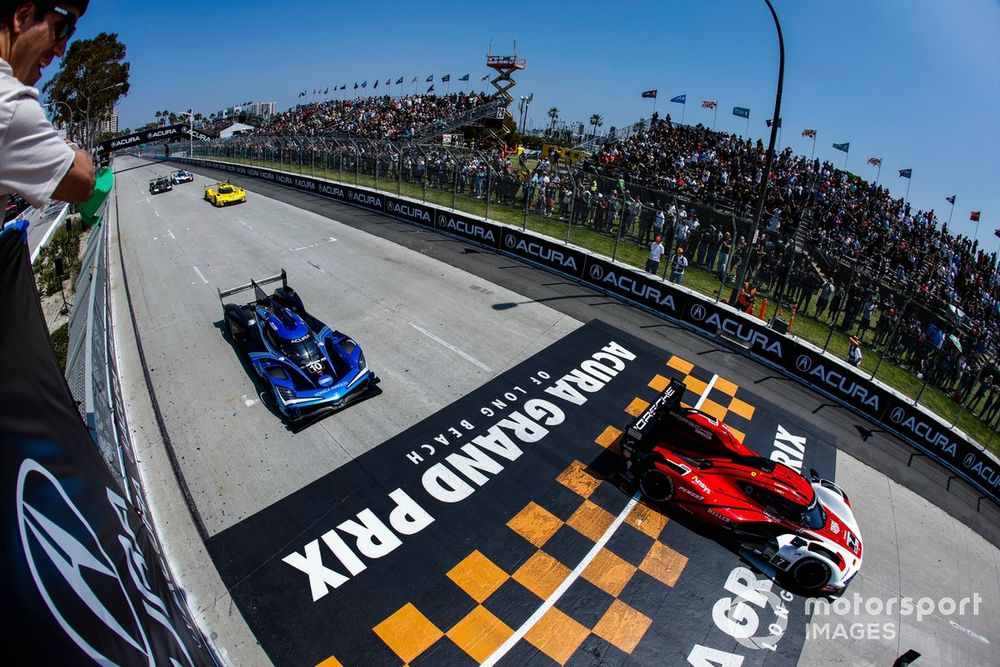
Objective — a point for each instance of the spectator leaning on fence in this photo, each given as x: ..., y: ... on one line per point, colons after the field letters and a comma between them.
x: 34, y: 162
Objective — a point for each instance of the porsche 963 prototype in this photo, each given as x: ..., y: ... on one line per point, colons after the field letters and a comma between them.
x: 800, y: 531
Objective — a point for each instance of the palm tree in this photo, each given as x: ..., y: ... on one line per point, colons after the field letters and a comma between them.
x: 553, y: 116
x: 596, y: 121
x: 157, y: 115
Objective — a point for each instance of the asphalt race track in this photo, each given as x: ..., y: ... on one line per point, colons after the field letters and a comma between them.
x: 471, y: 513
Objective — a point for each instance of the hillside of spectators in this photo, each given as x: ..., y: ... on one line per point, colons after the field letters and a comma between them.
x: 370, y: 117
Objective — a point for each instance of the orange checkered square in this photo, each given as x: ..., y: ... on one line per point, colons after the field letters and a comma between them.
x: 590, y: 520
x: 577, y: 479
x: 541, y: 574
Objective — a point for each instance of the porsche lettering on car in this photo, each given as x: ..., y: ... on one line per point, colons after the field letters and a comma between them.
x: 306, y: 368
x: 800, y: 531
x: 161, y: 184
x: 223, y: 194
x: 181, y: 176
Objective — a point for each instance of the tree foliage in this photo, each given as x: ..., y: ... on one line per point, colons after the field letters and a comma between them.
x: 92, y: 77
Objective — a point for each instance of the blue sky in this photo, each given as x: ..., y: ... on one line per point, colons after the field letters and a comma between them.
x: 916, y: 83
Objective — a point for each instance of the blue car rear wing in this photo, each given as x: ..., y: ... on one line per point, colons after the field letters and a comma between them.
x: 259, y: 294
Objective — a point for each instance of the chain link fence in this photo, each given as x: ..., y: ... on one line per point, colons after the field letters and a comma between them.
x: 91, y: 366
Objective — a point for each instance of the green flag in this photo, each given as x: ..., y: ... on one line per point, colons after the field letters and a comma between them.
x: 742, y: 112
x: 843, y: 147
x: 88, y: 210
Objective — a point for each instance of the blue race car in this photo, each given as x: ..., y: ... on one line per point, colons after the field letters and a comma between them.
x: 311, y: 370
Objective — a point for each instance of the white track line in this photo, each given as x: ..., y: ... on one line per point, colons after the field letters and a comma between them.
x: 452, y: 348
x: 708, y: 390
x: 199, y: 275
x: 577, y: 571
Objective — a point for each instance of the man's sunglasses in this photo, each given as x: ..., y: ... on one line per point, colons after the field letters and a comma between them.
x: 65, y: 28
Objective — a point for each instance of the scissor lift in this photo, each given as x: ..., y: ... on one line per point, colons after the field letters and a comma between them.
x: 505, y: 67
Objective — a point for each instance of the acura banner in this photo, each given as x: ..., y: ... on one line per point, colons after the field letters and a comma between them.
x: 83, y: 580
x: 156, y: 134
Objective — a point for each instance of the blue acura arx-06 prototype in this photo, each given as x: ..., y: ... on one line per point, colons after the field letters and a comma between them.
x: 310, y: 370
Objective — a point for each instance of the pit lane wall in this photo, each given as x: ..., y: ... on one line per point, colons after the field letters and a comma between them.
x: 797, y: 359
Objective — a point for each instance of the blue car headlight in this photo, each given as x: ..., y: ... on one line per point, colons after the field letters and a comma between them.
x: 277, y: 372
x: 284, y: 392
x: 362, y: 364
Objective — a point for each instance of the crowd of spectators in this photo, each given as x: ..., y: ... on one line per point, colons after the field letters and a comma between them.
x: 910, y: 262
x: 382, y: 117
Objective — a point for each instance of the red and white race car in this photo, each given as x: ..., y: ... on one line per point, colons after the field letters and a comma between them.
x: 795, y: 529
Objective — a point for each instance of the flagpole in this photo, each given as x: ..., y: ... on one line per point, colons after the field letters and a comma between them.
x: 846, y: 153
x: 812, y: 155
x: 715, y: 117
x: 906, y: 199
x: 654, y: 104
x: 952, y: 212
x: 747, y: 134
x: 878, y: 171
x: 779, y: 134
x: 684, y: 108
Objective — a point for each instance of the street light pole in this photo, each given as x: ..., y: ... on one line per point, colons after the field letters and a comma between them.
x: 765, y: 178
x: 89, y: 139
x: 69, y: 112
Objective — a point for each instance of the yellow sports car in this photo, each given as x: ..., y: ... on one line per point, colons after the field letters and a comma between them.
x: 222, y: 194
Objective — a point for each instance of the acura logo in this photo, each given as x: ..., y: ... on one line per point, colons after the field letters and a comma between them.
x: 442, y: 221
x: 803, y: 363
x: 75, y: 576
x: 969, y: 460
x: 596, y: 272
x: 509, y: 241
x: 897, y: 415
x: 698, y: 312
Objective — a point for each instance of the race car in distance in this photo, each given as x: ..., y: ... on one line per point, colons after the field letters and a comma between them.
x: 309, y: 369
x: 158, y: 185
x: 797, y: 530
x: 15, y: 207
x: 181, y: 176
x: 223, y: 194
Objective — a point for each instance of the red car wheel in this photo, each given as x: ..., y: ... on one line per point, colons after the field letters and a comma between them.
x: 810, y: 574
x: 656, y: 485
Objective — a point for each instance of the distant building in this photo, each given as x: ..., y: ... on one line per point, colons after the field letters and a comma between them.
x: 261, y: 109
x: 109, y: 123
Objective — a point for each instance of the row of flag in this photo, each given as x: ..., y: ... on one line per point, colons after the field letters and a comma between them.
x: 809, y: 133
x: 388, y: 82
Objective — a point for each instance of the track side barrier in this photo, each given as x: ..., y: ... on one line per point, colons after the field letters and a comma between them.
x: 797, y: 359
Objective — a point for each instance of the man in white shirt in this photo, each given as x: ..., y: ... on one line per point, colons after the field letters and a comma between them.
x: 34, y: 162
x: 656, y: 251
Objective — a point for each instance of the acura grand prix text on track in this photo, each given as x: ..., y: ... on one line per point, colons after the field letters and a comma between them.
x: 310, y: 370
x: 796, y: 529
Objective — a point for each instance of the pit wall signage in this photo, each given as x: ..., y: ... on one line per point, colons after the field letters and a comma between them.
x: 815, y: 370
